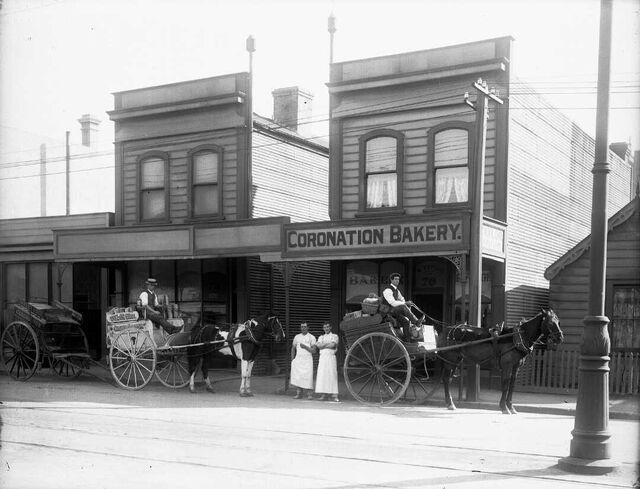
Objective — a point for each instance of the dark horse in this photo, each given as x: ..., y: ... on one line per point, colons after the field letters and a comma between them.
x: 506, y: 351
x: 242, y: 341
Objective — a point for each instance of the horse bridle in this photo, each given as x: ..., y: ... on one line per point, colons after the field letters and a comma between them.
x: 252, y: 322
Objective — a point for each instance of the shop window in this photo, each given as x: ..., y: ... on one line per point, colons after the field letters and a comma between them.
x: 15, y: 282
x: 38, y: 280
x: 364, y: 277
x: 164, y: 272
x: 205, y: 176
x: 188, y: 281
x: 381, y: 154
x: 450, y: 164
x: 625, y: 317
x: 153, y: 187
x: 137, y: 273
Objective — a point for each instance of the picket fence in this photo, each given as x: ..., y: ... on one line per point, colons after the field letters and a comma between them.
x: 557, y: 371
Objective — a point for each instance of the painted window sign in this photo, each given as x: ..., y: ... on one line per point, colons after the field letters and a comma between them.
x: 335, y: 238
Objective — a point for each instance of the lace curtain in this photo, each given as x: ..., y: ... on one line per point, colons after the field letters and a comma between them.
x: 382, y: 190
x: 452, y: 185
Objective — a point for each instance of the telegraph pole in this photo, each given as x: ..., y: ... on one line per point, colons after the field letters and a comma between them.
x: 590, y: 450
x: 67, y: 160
x: 481, y: 106
x: 251, y: 47
x: 331, y: 27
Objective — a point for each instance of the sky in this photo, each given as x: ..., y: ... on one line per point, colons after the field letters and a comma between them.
x: 60, y: 59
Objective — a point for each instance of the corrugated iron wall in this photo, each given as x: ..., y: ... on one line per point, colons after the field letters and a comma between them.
x: 309, y: 301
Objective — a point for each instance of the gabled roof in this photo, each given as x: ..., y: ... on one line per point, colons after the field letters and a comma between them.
x: 578, y: 250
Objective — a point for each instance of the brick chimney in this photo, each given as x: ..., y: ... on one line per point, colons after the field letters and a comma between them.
x: 292, y: 108
x: 89, y: 127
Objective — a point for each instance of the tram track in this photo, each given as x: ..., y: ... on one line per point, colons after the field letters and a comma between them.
x: 284, y: 444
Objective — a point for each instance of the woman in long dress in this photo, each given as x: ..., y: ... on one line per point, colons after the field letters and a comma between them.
x: 327, y: 381
x: 302, y: 362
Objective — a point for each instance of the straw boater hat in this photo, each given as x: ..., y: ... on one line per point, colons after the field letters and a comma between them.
x: 151, y: 281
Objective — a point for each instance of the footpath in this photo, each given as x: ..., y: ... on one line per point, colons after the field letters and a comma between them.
x: 227, y: 381
x: 620, y: 407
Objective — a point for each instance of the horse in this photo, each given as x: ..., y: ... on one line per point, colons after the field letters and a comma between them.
x: 505, y: 350
x: 242, y: 341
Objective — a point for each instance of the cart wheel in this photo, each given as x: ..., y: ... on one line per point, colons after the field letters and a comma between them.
x: 67, y: 368
x: 377, y: 369
x: 20, y: 350
x: 172, y: 369
x: 132, y: 359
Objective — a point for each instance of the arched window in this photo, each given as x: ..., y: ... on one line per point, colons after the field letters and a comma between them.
x: 205, y: 164
x: 153, y: 187
x: 450, y: 165
x: 381, y: 164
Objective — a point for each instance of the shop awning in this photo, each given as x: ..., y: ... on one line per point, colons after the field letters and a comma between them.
x: 249, y: 237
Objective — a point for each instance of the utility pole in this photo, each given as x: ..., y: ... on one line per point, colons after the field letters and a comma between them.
x: 251, y: 47
x: 481, y: 107
x: 66, y: 173
x: 43, y: 180
x: 590, y: 450
x: 331, y: 27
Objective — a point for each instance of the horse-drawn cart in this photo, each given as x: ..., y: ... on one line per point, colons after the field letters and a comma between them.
x: 380, y: 364
x: 44, y: 334
x: 138, y: 350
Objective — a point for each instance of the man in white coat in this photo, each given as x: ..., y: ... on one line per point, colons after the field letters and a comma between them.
x: 327, y: 381
x: 302, y: 362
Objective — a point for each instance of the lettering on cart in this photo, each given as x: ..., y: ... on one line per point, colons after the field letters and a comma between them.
x: 393, y: 234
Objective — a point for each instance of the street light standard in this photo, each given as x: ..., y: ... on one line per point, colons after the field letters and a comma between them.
x: 590, y: 450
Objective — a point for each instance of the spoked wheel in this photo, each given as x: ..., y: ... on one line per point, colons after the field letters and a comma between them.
x: 67, y: 368
x: 20, y: 351
x: 377, y: 369
x: 172, y: 369
x: 132, y: 359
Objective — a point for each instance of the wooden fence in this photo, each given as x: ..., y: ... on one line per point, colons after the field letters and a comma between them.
x: 557, y: 371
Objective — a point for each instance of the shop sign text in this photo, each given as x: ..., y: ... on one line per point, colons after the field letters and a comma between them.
x: 374, y: 236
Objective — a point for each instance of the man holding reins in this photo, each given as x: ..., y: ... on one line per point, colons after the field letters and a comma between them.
x: 149, y: 303
x: 399, y: 307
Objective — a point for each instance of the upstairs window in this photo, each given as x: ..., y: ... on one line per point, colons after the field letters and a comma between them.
x: 153, y: 195
x: 205, y: 177
x: 451, y: 166
x: 381, y: 155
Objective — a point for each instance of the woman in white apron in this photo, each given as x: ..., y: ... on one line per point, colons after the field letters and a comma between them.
x: 302, y: 362
x: 327, y: 381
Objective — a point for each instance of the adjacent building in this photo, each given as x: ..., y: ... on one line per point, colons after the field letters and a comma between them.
x: 202, y: 189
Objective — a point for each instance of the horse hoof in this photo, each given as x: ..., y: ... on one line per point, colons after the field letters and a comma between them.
x: 193, y: 391
x: 249, y: 394
x: 451, y: 407
x: 210, y: 389
x: 244, y: 394
x: 513, y: 410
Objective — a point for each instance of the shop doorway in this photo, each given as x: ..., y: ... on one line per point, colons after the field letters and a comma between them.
x: 430, y: 303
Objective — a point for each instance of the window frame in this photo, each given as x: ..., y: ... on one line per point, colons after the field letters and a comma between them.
x: 362, y: 191
x: 204, y: 148
x: 431, y: 166
x: 609, y: 292
x: 139, y: 161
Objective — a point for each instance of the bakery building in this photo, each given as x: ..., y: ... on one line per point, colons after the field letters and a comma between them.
x: 403, y: 171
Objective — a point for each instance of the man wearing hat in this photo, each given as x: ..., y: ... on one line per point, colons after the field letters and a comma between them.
x: 149, y: 301
x: 400, y: 308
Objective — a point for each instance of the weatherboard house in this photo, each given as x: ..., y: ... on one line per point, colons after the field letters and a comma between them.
x: 202, y: 189
x: 569, y: 294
